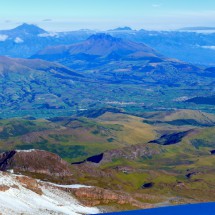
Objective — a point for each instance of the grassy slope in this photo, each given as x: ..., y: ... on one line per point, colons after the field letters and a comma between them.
x: 134, y: 130
x: 78, y: 138
x: 167, y: 171
x: 73, y: 138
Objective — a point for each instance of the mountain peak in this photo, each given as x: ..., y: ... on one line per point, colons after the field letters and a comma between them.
x: 29, y: 28
x: 103, y: 37
x: 126, y: 28
x: 100, y: 44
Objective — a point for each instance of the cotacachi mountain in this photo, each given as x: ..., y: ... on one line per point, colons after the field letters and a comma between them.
x: 100, y: 44
x: 101, y: 51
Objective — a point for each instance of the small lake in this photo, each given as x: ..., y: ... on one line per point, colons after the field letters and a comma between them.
x: 189, y: 209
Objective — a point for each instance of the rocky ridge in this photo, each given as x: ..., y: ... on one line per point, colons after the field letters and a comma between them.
x: 34, y: 161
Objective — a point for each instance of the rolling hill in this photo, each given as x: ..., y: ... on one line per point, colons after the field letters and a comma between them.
x: 25, y: 67
x: 180, y: 117
x: 32, y: 85
x: 101, y: 71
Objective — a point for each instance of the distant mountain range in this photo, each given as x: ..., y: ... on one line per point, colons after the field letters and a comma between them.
x: 198, y: 28
x: 95, y: 69
x: 126, y: 28
x: 27, y: 40
x: 24, y: 30
x: 100, y: 71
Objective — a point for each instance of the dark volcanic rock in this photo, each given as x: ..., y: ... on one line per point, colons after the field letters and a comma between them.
x: 5, y: 158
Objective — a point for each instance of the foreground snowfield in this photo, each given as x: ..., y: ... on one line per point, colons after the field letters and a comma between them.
x: 17, y: 198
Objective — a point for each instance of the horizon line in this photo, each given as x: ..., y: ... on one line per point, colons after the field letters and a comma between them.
x: 187, y: 28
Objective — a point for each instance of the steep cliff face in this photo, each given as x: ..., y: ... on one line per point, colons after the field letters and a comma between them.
x: 34, y: 161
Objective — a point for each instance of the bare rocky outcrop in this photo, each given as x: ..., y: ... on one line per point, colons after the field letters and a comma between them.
x: 132, y: 152
x: 3, y: 188
x: 35, y: 161
x: 98, y: 196
x: 93, y: 196
x: 129, y: 153
x: 30, y: 184
x: 42, y: 162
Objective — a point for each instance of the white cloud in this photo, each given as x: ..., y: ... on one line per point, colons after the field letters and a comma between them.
x: 18, y: 40
x: 50, y: 34
x: 47, y: 20
x: 208, y: 47
x: 3, y: 37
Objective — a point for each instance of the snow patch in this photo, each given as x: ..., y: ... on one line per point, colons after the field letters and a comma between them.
x: 20, y: 200
x: 208, y: 47
x: 3, y: 37
x: 29, y: 150
x: 18, y: 40
x: 74, y: 186
x: 11, y: 171
x: 50, y: 34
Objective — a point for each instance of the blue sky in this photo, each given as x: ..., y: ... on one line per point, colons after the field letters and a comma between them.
x: 62, y: 15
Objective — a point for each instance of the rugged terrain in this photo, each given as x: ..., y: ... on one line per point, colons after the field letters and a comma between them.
x: 157, y: 158
x: 104, y: 118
